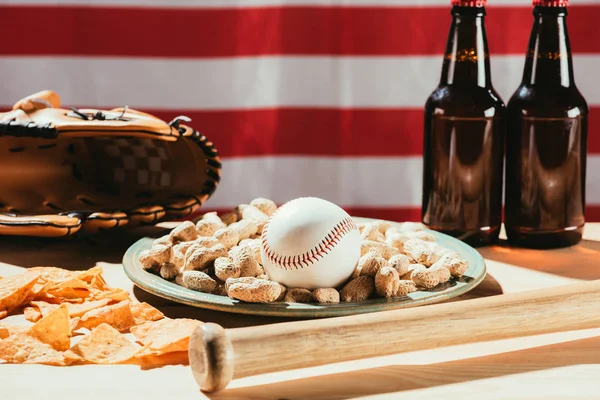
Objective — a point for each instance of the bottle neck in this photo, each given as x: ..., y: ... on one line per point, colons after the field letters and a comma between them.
x: 548, y: 61
x: 466, y: 61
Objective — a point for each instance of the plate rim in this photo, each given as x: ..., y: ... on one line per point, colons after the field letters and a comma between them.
x: 165, y: 289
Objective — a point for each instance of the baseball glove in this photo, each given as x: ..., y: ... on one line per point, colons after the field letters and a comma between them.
x: 69, y: 170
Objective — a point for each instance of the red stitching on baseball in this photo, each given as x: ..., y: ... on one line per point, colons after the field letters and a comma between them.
x: 313, y: 255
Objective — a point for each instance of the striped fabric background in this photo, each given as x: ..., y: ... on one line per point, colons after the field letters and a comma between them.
x: 301, y: 97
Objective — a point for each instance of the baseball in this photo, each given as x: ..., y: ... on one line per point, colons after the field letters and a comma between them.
x: 310, y: 243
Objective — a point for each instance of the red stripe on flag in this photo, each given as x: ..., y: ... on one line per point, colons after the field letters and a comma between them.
x: 314, y: 132
x: 322, y: 132
x: 401, y: 214
x: 155, y: 32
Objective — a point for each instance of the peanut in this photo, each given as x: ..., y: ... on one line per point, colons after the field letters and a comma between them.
x: 369, y: 264
x: 205, y: 241
x: 244, y: 228
x: 147, y: 261
x: 161, y: 253
x: 253, y: 214
x: 182, y: 247
x: 214, y: 217
x: 400, y: 263
x: 387, y: 282
x: 442, y: 272
x: 426, y: 236
x: 266, y: 206
x: 219, y: 290
x: 203, y: 257
x: 358, y: 289
x: 406, y: 287
x: 244, y: 279
x: 178, y: 259
x: 411, y: 268
x: 239, y: 210
x: 166, y: 239
x: 169, y: 271
x: 411, y: 227
x: 454, y: 262
x: 244, y: 257
x: 184, y: 232
x: 283, y: 292
x: 225, y: 268
x: 229, y: 218
x: 191, y: 249
x: 361, y: 226
x: 381, y: 249
x: 372, y: 232
x: 326, y: 295
x: 207, y: 227
x: 298, y: 295
x: 381, y: 225
x: 255, y: 245
x: 227, y: 237
x: 396, y: 240
x: 422, y: 252
x: 425, y: 278
x: 253, y: 290
x: 198, y: 281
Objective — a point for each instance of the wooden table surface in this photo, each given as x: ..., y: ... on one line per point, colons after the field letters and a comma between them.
x: 553, y: 366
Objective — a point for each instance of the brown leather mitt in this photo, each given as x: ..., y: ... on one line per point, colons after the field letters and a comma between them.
x: 68, y: 170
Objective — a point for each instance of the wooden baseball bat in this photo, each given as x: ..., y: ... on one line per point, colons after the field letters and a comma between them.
x: 218, y: 355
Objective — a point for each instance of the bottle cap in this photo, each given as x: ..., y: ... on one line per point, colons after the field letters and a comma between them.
x: 469, y: 3
x: 550, y: 3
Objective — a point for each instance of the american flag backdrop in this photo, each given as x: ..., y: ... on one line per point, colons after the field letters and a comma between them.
x: 301, y: 97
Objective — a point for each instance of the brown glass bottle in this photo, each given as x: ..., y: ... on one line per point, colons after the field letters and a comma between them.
x: 546, y: 141
x: 463, y: 149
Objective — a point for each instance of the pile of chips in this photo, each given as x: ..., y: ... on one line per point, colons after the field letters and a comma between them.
x: 78, y: 319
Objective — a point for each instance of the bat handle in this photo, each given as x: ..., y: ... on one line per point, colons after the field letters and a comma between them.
x: 218, y: 355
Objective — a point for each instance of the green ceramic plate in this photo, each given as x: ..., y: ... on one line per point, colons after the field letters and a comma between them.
x: 171, y: 291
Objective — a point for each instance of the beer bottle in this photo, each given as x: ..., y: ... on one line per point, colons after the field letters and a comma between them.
x: 546, y: 141
x: 463, y: 150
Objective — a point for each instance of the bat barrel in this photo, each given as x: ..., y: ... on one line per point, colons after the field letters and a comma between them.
x: 218, y: 355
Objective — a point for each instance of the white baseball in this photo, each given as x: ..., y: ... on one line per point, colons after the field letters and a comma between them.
x: 310, y: 243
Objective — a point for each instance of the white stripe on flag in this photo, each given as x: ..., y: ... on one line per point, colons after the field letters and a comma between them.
x: 352, y: 182
x: 251, y: 82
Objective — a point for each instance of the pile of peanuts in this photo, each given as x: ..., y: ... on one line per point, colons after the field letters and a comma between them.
x: 221, y: 255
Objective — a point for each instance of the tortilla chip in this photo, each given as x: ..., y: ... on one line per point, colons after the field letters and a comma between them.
x: 15, y: 289
x: 54, y: 329
x: 76, y: 285
x: 112, y: 294
x: 24, y: 349
x: 118, y: 316
x: 89, y: 275
x: 166, y: 335
x: 74, y: 324
x: 8, y: 330
x: 144, y: 312
x: 99, y: 283
x: 32, y: 313
x: 105, y: 345
x: 71, y: 294
x: 52, y: 275
x: 75, y: 310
